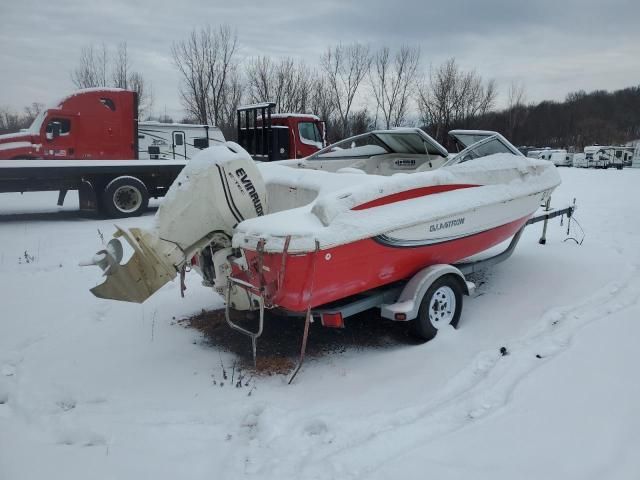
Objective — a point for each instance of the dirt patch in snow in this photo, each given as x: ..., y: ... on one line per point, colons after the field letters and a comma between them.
x: 279, y: 346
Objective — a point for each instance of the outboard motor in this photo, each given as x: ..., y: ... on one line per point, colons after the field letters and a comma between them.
x: 219, y: 188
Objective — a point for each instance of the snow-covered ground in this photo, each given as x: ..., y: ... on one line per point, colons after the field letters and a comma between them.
x: 106, y: 390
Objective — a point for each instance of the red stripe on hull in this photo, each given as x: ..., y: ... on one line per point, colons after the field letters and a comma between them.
x: 409, y: 194
x: 349, y: 269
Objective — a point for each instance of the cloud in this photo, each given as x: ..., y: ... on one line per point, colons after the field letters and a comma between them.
x: 553, y: 46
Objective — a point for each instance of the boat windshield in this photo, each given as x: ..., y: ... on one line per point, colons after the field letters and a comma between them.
x: 489, y: 146
x: 361, y: 146
x: 380, y: 143
x: 408, y: 143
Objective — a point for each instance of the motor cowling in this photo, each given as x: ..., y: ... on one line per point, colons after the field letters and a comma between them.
x: 220, y: 187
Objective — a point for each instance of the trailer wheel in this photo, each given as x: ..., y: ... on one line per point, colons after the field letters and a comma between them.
x: 440, y: 306
x: 125, y: 197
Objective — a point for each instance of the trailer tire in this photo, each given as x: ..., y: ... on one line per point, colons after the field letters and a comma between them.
x: 125, y: 197
x: 435, y: 310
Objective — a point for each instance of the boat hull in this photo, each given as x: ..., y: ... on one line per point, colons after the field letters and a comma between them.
x: 296, y: 282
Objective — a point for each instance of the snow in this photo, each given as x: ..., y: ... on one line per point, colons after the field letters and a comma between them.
x: 14, y: 145
x: 330, y: 220
x: 20, y: 134
x: 121, y: 391
x: 361, y: 151
x: 306, y: 116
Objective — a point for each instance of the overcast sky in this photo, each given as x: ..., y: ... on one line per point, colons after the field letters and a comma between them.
x: 553, y: 46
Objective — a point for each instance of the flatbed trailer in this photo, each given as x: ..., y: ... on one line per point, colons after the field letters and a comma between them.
x: 114, y: 188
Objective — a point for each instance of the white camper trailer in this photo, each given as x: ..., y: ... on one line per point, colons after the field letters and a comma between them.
x: 625, y: 154
x: 580, y: 161
x: 605, y: 156
x: 635, y: 158
x: 174, y: 141
x: 595, y: 157
x: 559, y: 157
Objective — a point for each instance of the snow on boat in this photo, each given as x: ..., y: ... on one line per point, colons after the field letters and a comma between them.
x: 363, y: 213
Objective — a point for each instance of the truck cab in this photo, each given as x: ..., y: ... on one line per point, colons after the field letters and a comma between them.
x: 306, y: 133
x: 269, y: 136
x: 98, y: 123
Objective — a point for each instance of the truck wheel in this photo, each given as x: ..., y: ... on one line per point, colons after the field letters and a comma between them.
x: 125, y: 197
x: 440, y: 306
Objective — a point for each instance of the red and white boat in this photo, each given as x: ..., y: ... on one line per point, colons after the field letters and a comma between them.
x: 363, y: 213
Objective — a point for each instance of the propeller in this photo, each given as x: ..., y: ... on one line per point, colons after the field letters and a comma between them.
x: 107, y: 259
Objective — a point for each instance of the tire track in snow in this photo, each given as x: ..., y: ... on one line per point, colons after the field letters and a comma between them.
x: 486, y: 386
x: 356, y: 448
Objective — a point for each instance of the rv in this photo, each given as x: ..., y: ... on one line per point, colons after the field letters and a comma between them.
x: 174, y: 141
x: 595, y: 157
x: 605, y: 156
x: 560, y: 158
x: 635, y: 158
x: 580, y: 161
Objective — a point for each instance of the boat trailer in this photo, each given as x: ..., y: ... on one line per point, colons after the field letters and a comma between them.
x: 398, y: 301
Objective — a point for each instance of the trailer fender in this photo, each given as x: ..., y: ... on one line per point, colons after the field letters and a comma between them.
x: 408, y: 303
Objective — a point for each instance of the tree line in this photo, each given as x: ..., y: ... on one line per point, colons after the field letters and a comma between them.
x: 599, y: 117
x: 355, y: 89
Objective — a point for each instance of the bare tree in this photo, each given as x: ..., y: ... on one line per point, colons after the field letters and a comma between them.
x: 206, y: 62
x: 31, y: 112
x: 138, y: 84
x: 92, y: 68
x: 321, y: 101
x: 120, y: 72
x: 11, y: 121
x: 453, y: 97
x: 345, y: 66
x: 123, y: 77
x: 260, y: 81
x: 233, y: 93
x: 516, y: 110
x: 393, y: 82
x: 361, y: 122
x: 287, y: 83
x: 221, y: 63
x: 190, y: 58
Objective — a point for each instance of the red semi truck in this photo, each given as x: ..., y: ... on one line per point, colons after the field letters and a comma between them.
x: 91, y: 142
x: 88, y: 124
